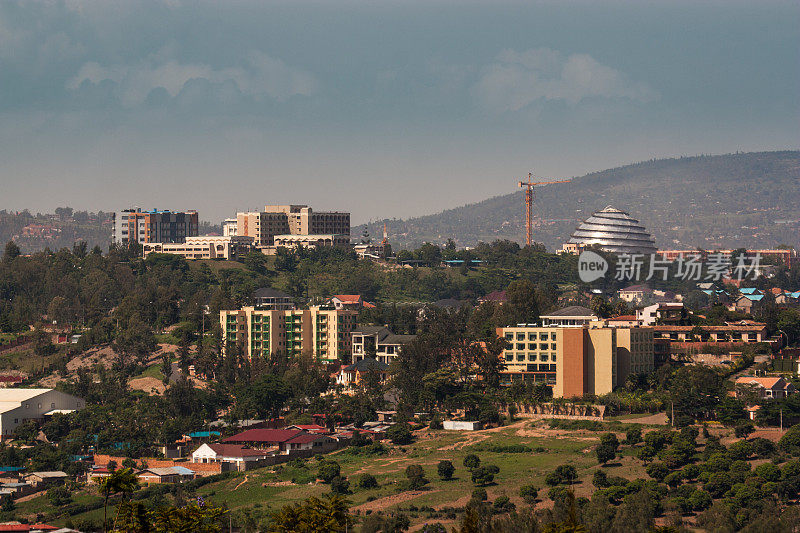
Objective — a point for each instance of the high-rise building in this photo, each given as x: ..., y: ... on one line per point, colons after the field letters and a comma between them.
x: 289, y: 224
x: 135, y: 225
x: 324, y: 332
x: 576, y: 360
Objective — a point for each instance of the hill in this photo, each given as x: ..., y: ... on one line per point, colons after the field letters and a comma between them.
x: 732, y: 200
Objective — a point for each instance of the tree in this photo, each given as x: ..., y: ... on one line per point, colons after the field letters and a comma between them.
x: 529, y: 493
x: 313, y: 514
x: 11, y: 252
x: 657, y: 471
x: 416, y: 477
x: 366, y: 481
x: 263, y: 398
x: 446, y: 470
x: 484, y: 475
x: 195, y: 517
x: 790, y: 442
x: 340, y: 485
x: 329, y: 470
x: 607, y: 449
x: 400, y: 434
x: 122, y: 481
x: 472, y: 461
x: 633, y: 436
x: 730, y: 411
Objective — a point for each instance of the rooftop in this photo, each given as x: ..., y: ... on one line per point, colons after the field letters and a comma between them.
x: 572, y: 311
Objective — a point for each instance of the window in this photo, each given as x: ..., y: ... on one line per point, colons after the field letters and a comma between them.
x: 531, y: 357
x: 531, y: 336
x: 543, y: 357
x: 520, y: 346
x: 52, y: 406
x: 544, y: 336
x: 27, y: 405
x: 553, y: 346
x: 509, y: 356
x: 520, y: 356
x: 543, y: 346
x: 532, y: 346
x: 520, y: 336
x: 509, y: 336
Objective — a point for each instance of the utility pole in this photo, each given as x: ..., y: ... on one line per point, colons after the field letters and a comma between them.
x: 781, y: 420
x: 672, y: 418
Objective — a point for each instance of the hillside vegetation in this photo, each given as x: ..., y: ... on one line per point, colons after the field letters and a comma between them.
x: 733, y: 200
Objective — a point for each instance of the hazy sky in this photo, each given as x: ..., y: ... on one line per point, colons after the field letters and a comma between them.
x: 385, y: 109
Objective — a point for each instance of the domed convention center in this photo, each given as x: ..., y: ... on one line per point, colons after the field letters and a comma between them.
x: 614, y: 231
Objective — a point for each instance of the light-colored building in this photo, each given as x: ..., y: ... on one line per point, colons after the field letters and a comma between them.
x: 204, y: 247
x: 20, y: 405
x: 576, y: 360
x: 767, y: 388
x: 324, y: 332
x: 311, y: 241
x: 661, y: 313
x: 135, y: 225
x: 238, y: 456
x: 574, y: 315
x: 271, y: 299
x: 291, y: 223
x: 229, y: 227
x: 732, y: 332
x: 380, y: 340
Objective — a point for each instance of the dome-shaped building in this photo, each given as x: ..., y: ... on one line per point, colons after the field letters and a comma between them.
x: 614, y: 231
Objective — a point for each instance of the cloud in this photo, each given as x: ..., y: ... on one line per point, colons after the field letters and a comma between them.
x: 259, y: 76
x: 518, y: 79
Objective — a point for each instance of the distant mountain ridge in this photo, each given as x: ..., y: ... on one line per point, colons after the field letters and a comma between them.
x: 732, y: 200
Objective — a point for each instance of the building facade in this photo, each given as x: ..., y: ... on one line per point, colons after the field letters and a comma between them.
x: 324, y: 332
x: 379, y: 341
x: 576, y: 360
x: 294, y: 224
x: 135, y: 225
x: 203, y: 247
x: 20, y: 405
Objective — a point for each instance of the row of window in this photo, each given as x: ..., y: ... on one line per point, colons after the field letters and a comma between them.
x: 532, y: 336
x: 520, y: 356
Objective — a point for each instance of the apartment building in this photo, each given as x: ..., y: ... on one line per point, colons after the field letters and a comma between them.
x: 576, y: 360
x: 135, y: 225
x: 293, y: 225
x: 380, y: 341
x: 322, y: 331
x: 203, y: 247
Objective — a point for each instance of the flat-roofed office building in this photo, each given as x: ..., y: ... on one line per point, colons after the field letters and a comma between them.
x: 576, y: 360
x: 135, y: 225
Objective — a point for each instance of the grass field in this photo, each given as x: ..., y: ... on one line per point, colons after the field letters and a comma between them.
x: 270, y: 488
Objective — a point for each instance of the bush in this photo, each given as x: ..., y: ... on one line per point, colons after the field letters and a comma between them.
x: 633, y: 436
x: 479, y: 495
x: 790, y: 442
x: 483, y: 475
x: 472, y: 461
x: 329, y: 470
x: 340, y: 485
x: 657, y: 471
x: 366, y: 481
x: 743, y: 429
x: 502, y: 504
x: 528, y: 493
x: 59, y: 496
x: 436, y: 423
x: 762, y: 447
x: 400, y: 434
x: 600, y: 479
x: 446, y: 470
x: 416, y: 477
x: 768, y: 472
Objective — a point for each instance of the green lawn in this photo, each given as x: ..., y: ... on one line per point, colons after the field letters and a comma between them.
x: 270, y: 488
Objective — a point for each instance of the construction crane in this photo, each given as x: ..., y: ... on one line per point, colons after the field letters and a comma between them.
x: 528, y: 186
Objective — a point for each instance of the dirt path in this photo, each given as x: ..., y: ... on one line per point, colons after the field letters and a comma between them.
x: 384, y: 503
x: 241, y: 483
x: 659, y: 419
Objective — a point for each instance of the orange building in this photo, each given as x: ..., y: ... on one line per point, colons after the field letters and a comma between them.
x: 576, y: 360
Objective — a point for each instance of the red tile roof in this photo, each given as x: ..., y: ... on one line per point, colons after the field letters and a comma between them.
x: 305, y: 438
x: 270, y: 436
x: 235, y: 450
x: 348, y: 298
x: 27, y: 527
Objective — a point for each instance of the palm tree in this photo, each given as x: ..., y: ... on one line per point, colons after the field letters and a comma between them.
x: 120, y: 481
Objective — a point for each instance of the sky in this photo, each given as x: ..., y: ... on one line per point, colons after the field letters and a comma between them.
x: 384, y: 109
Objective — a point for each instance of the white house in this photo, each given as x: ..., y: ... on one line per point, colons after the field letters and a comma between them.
x: 228, y: 453
x: 20, y: 405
